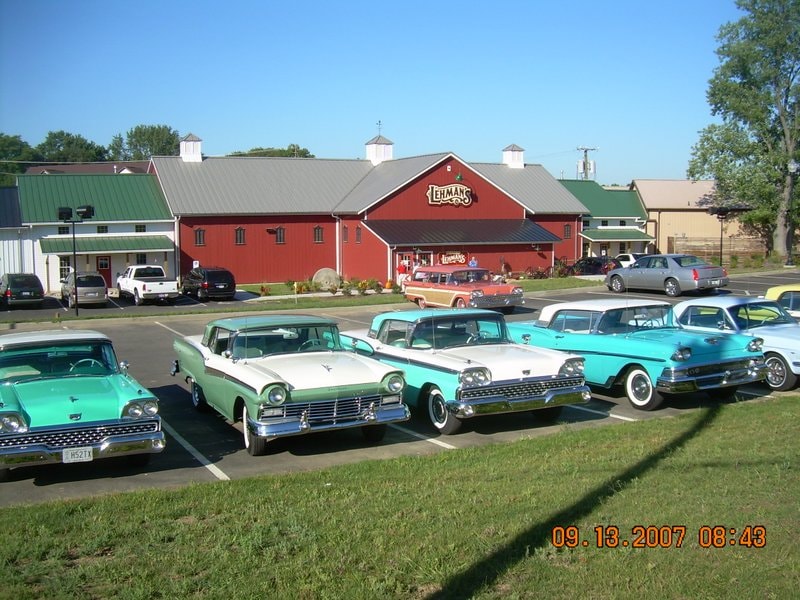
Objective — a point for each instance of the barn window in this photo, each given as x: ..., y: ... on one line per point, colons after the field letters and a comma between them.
x: 280, y: 235
x: 345, y: 234
x: 318, y: 235
x: 567, y: 231
x: 358, y: 235
x: 239, y: 236
x: 199, y: 237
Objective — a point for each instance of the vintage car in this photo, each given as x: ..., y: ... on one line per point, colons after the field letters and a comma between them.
x: 673, y: 273
x: 461, y: 287
x: 461, y: 363
x: 788, y: 296
x: 634, y: 344
x: 753, y: 317
x: 65, y: 399
x: 287, y: 375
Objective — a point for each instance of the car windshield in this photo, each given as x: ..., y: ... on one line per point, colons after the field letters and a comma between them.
x: 470, y: 276
x: 91, y: 281
x: 760, y: 314
x: 635, y: 318
x: 255, y: 343
x: 90, y: 358
x: 443, y: 333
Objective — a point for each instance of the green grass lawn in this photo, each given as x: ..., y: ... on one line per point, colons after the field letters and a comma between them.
x: 474, y: 523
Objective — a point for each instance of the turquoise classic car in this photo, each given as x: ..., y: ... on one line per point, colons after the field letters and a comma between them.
x: 287, y: 375
x: 634, y: 344
x: 65, y: 399
x: 461, y: 363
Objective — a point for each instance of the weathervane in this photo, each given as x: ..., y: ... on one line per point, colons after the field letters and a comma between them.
x: 379, y: 124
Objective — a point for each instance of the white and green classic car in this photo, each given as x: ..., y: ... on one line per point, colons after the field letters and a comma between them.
x: 461, y: 363
x: 65, y: 399
x: 288, y: 375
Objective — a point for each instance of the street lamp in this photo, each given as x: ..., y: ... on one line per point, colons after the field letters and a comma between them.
x: 793, y: 168
x: 65, y: 214
x: 722, y: 212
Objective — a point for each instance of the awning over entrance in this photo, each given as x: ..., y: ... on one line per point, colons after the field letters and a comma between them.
x: 107, y: 244
x: 450, y: 233
x: 616, y: 235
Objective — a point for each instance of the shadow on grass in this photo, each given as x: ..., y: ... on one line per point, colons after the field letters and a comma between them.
x: 485, y: 573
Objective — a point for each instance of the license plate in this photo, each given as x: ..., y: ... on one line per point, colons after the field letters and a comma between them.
x: 221, y: 286
x: 91, y: 294
x: 25, y: 293
x: 73, y: 455
x: 162, y: 295
x: 715, y: 282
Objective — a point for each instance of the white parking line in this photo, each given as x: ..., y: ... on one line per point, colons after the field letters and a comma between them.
x: 604, y: 414
x: 424, y: 438
x: 178, y: 333
x: 215, y: 471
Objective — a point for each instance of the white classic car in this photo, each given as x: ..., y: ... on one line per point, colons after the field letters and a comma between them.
x: 755, y: 317
x: 461, y: 363
x: 288, y: 375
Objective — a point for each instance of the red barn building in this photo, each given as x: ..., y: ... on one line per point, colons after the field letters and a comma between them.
x: 279, y: 219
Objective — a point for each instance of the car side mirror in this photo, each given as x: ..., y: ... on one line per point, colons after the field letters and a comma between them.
x: 123, y: 366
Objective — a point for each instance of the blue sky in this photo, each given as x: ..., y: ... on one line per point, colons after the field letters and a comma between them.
x: 628, y: 77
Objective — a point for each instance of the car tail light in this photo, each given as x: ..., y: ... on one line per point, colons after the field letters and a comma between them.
x: 204, y: 285
x: 695, y: 275
x: 8, y: 293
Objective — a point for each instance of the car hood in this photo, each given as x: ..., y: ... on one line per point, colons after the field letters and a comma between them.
x: 784, y: 336
x: 701, y: 343
x: 313, y: 370
x: 505, y: 361
x: 72, y: 400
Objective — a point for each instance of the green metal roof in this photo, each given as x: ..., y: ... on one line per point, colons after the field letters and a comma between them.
x: 130, y: 197
x: 109, y: 244
x: 616, y: 235
x: 604, y: 203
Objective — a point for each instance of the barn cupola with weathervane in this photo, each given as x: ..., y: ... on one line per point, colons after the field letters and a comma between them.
x: 191, y: 149
x: 514, y: 157
x: 379, y: 148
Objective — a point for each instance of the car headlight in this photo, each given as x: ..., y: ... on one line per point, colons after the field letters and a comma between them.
x: 274, y: 395
x: 150, y: 407
x: 682, y: 353
x: 517, y: 291
x: 476, y: 293
x: 573, y: 366
x: 473, y: 377
x: 12, y: 423
x: 755, y: 345
x: 394, y: 383
x: 133, y: 410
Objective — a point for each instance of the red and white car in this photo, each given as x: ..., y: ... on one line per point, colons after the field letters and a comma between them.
x: 461, y: 287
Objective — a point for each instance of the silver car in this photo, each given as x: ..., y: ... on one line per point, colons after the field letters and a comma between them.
x: 673, y: 273
x: 92, y: 289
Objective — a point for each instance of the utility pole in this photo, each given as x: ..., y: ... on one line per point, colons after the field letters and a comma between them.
x: 585, y: 170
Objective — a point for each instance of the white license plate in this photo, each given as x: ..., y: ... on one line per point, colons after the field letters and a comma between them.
x: 25, y: 294
x: 162, y: 295
x: 715, y: 282
x: 221, y: 286
x: 73, y: 455
x: 91, y: 294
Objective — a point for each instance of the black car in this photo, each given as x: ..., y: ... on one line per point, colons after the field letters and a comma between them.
x: 21, y: 289
x: 209, y: 282
x: 593, y: 265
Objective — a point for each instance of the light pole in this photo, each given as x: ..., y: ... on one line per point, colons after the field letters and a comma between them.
x: 793, y: 168
x: 65, y: 214
x: 722, y: 212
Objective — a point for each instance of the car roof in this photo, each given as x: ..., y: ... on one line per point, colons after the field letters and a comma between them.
x: 242, y: 323
x: 411, y: 316
x: 450, y: 268
x: 597, y: 305
x: 789, y: 287
x: 11, y: 340
x: 721, y: 301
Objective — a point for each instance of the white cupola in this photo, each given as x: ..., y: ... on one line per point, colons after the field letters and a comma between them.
x: 191, y: 149
x: 379, y: 149
x: 513, y: 157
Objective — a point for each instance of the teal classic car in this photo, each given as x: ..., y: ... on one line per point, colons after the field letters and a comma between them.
x: 65, y: 399
x: 636, y: 345
x: 461, y: 363
x: 287, y: 375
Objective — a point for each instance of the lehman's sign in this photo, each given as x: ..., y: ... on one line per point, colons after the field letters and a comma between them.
x: 456, y: 194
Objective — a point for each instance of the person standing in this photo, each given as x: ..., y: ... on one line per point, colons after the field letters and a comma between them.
x: 473, y: 262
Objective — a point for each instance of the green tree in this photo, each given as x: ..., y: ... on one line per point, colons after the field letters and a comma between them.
x: 145, y: 141
x: 756, y: 92
x: 63, y: 147
x: 117, y: 150
x: 16, y: 155
x: 292, y: 150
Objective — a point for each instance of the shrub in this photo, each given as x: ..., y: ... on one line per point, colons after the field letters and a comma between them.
x: 265, y: 291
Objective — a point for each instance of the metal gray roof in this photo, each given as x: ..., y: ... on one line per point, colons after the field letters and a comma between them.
x: 244, y: 185
x: 10, y: 215
x: 492, y: 231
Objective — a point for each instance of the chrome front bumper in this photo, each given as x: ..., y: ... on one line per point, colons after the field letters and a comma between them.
x: 675, y: 381
x: 497, y: 404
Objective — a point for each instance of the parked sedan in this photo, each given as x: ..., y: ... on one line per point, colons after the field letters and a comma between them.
x: 634, y: 344
x: 209, y: 282
x: 754, y: 317
x: 92, y: 289
x: 673, y: 273
x: 788, y: 296
x: 21, y: 289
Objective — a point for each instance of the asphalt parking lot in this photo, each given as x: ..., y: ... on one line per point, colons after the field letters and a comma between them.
x: 203, y: 447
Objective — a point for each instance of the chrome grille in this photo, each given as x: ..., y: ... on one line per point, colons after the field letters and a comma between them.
x: 75, y: 437
x: 522, y: 389
x: 714, y: 368
x: 329, y: 411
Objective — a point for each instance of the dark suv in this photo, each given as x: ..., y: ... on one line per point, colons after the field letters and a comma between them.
x: 209, y: 282
x: 21, y: 289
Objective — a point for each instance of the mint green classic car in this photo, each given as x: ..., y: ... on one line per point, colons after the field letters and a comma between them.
x: 65, y: 399
x: 461, y: 363
x: 287, y: 375
x: 635, y: 344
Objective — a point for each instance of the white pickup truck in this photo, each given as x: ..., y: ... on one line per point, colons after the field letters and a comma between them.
x: 147, y: 282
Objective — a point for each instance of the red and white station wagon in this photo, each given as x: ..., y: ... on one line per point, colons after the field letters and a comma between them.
x: 460, y: 287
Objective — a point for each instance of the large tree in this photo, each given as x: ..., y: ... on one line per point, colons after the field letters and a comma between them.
x: 292, y: 150
x: 144, y: 141
x: 756, y: 92
x: 64, y: 147
x: 16, y: 155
